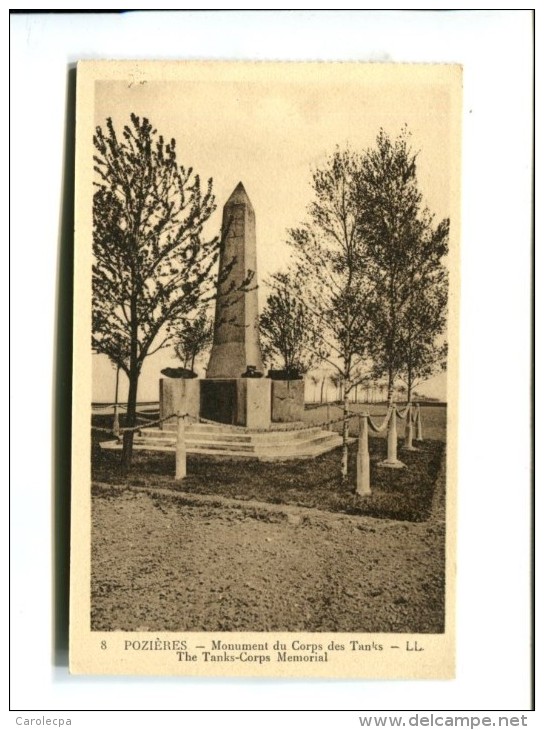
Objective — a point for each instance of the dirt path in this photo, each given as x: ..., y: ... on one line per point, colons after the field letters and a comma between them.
x: 174, y: 562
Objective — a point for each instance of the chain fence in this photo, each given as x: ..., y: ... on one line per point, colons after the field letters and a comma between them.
x: 413, y: 416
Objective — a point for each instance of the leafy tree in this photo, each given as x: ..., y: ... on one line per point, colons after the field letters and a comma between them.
x: 423, y: 346
x: 287, y: 334
x: 404, y: 258
x: 151, y: 262
x: 194, y: 337
x: 427, y: 361
x: 329, y: 266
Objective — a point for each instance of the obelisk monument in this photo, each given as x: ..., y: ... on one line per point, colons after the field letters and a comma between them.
x: 234, y: 390
x: 236, y: 330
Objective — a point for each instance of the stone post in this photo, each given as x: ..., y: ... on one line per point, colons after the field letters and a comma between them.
x: 419, y: 426
x: 409, y: 434
x: 116, y: 431
x: 181, y: 450
x: 392, y: 437
x: 392, y: 462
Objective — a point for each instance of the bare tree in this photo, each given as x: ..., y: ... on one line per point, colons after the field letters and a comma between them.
x: 336, y: 380
x: 314, y: 380
x: 323, y: 384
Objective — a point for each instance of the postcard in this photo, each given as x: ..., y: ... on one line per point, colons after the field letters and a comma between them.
x: 265, y: 369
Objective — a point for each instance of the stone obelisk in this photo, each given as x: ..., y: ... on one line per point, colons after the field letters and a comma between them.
x: 234, y: 391
x: 236, y: 330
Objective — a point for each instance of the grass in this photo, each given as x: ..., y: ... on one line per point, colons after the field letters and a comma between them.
x: 400, y: 494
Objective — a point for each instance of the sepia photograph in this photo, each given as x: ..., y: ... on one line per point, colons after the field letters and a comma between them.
x: 265, y: 369
x: 271, y: 367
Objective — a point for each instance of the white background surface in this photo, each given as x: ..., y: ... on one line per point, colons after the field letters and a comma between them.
x: 494, y: 604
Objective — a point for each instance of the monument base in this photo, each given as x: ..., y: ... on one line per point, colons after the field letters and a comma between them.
x: 287, y: 401
x: 283, y: 442
x: 179, y: 395
x: 254, y: 403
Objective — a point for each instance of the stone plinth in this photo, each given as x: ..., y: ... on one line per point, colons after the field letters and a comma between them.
x: 179, y: 395
x: 287, y: 401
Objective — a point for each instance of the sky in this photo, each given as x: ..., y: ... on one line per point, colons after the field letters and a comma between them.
x: 269, y: 126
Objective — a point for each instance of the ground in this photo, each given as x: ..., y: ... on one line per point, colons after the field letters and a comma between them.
x: 165, y: 563
x: 168, y: 559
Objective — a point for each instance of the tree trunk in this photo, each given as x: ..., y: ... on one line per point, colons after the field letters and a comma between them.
x: 390, y: 387
x: 345, y: 434
x: 133, y: 375
x: 322, y: 386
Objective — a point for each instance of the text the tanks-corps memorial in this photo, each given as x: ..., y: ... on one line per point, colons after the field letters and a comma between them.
x: 235, y: 411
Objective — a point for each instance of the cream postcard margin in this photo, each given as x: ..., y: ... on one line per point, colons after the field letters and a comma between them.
x: 403, y: 92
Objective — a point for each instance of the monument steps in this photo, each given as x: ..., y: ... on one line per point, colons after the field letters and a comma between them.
x: 225, y: 442
x: 306, y: 452
x: 193, y: 435
x: 220, y: 428
x: 206, y: 431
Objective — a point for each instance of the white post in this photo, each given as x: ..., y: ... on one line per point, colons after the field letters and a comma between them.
x: 363, y: 459
x: 419, y: 431
x: 392, y: 437
x: 409, y: 433
x: 392, y: 462
x: 115, y: 421
x: 181, y: 451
